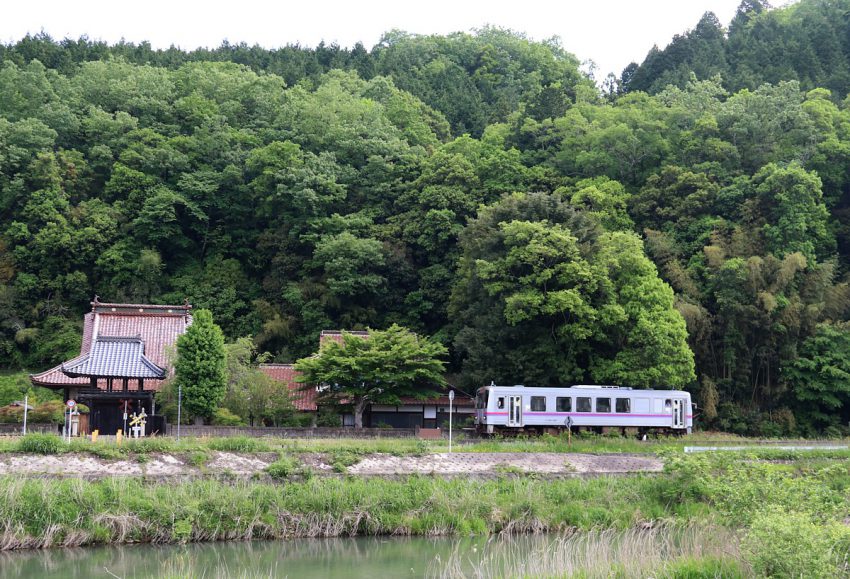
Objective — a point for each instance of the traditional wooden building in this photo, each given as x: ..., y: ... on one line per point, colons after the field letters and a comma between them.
x: 124, y: 359
x: 412, y: 412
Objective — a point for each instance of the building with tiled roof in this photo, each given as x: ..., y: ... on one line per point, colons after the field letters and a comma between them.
x: 304, y: 399
x: 124, y: 359
x: 410, y: 413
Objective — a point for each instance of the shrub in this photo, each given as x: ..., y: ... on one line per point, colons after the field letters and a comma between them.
x: 282, y: 468
x: 50, y: 411
x: 297, y: 420
x: 328, y: 417
x: 40, y: 444
x: 782, y: 544
x: 224, y: 417
x: 12, y: 414
x: 198, y: 458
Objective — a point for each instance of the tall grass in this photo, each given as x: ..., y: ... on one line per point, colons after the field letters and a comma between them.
x: 49, y: 512
x: 666, y: 550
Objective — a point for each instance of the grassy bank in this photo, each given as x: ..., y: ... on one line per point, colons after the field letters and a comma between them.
x: 789, y: 515
x: 106, y: 447
x: 50, y: 512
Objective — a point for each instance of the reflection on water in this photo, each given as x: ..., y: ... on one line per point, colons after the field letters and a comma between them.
x: 298, y: 558
x: 638, y: 552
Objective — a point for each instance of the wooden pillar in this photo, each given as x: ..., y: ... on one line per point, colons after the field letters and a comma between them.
x: 109, y: 384
x: 93, y: 382
x: 141, y: 384
x: 126, y: 385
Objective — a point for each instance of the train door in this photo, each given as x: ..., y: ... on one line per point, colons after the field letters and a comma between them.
x: 678, y: 413
x: 514, y: 410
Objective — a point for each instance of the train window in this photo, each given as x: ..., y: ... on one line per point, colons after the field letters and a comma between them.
x: 668, y: 406
x: 582, y: 404
x: 563, y: 404
x: 624, y: 405
x: 500, y: 402
x: 603, y: 405
x: 538, y: 404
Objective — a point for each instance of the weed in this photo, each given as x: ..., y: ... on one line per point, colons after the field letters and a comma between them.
x: 282, y: 468
x: 340, y: 460
x: 41, y: 444
x: 198, y: 458
x: 238, y: 444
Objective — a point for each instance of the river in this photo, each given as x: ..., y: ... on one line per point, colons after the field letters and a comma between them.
x: 372, y: 558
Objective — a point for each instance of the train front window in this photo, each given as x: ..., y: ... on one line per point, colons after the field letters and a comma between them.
x: 538, y: 404
x: 583, y: 404
x: 624, y: 405
x: 603, y: 405
x: 481, y: 399
x: 563, y: 404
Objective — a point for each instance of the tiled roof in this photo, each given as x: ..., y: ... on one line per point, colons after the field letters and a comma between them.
x: 443, y: 400
x: 158, y: 327
x: 304, y: 400
x: 117, y: 357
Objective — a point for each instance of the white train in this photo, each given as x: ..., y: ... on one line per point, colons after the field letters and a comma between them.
x: 515, y: 409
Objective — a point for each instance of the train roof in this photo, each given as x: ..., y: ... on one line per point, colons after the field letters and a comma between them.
x: 581, y: 387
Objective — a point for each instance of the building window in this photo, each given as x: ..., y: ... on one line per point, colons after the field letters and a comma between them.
x: 603, y: 405
x: 563, y: 404
x: 583, y: 404
x: 538, y: 404
x: 624, y: 405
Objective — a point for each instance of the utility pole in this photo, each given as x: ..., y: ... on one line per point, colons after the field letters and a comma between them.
x: 179, y: 405
x: 451, y: 399
x: 26, y: 406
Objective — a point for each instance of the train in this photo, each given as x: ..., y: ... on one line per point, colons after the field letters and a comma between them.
x: 526, y: 409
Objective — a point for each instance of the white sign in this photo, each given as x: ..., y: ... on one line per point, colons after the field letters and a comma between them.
x: 451, y: 394
x: 71, y: 403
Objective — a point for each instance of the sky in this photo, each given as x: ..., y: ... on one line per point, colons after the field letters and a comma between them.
x: 612, y: 33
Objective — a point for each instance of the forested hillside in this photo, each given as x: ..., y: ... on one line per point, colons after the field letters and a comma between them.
x: 808, y: 41
x: 473, y: 187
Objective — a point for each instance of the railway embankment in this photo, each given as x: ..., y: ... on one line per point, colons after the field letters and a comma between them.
x: 218, y: 464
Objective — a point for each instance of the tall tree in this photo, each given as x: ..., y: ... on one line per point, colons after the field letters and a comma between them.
x: 378, y: 369
x: 201, y: 366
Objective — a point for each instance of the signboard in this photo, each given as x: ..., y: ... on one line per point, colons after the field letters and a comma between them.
x: 71, y: 403
x: 451, y: 394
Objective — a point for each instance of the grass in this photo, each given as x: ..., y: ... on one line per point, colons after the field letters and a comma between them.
x: 40, y: 444
x: 341, y: 448
x: 282, y: 468
x: 666, y: 550
x: 787, y: 516
x: 60, y: 512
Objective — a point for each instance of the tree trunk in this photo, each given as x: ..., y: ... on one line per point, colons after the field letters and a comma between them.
x: 359, y: 408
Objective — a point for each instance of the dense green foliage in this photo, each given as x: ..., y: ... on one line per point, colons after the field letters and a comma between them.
x: 200, y: 368
x: 378, y: 369
x: 808, y: 41
x: 475, y: 188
